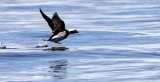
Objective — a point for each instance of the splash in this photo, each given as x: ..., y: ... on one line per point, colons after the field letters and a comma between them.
x: 2, y: 46
x: 42, y: 44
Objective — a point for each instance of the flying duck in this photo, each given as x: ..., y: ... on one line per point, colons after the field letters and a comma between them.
x: 58, y: 28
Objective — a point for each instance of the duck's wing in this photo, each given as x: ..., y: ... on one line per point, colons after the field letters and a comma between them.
x: 59, y: 24
x: 49, y: 21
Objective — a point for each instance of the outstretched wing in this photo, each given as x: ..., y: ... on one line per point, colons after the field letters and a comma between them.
x: 59, y: 25
x: 49, y: 21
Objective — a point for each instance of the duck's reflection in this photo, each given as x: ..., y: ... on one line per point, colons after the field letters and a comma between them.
x: 59, y: 69
x: 56, y: 49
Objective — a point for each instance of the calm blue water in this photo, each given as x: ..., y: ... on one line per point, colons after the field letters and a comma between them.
x: 118, y: 41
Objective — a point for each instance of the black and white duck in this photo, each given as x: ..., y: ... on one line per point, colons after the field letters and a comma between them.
x: 58, y: 28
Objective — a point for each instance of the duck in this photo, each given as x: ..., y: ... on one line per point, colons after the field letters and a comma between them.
x: 57, y: 25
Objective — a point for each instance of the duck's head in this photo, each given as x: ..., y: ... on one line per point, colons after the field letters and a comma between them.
x: 73, y: 31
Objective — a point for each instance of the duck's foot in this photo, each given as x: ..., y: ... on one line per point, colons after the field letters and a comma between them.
x: 44, y: 40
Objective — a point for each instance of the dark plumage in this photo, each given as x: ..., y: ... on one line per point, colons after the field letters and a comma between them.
x: 58, y: 27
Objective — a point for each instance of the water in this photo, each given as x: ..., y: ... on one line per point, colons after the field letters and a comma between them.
x: 118, y: 40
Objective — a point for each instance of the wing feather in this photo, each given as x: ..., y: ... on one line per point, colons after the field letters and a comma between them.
x: 49, y: 21
x: 59, y: 25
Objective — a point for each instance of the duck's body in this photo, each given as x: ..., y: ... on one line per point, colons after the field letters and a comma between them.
x: 59, y: 37
x: 58, y: 28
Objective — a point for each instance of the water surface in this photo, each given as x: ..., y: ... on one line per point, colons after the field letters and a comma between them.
x: 118, y: 40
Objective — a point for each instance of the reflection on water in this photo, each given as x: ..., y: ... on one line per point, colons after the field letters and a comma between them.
x: 56, y: 49
x: 59, y: 69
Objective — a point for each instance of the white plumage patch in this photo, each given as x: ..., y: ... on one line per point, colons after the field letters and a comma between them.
x: 60, y: 36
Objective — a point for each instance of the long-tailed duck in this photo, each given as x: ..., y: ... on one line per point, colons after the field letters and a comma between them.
x: 58, y: 28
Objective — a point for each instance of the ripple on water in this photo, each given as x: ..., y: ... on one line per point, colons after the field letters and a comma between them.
x: 117, y: 41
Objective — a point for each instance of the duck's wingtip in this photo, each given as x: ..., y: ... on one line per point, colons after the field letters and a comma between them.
x: 40, y: 8
x: 55, y: 13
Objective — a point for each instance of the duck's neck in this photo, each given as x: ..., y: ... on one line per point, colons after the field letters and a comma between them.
x: 67, y: 33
